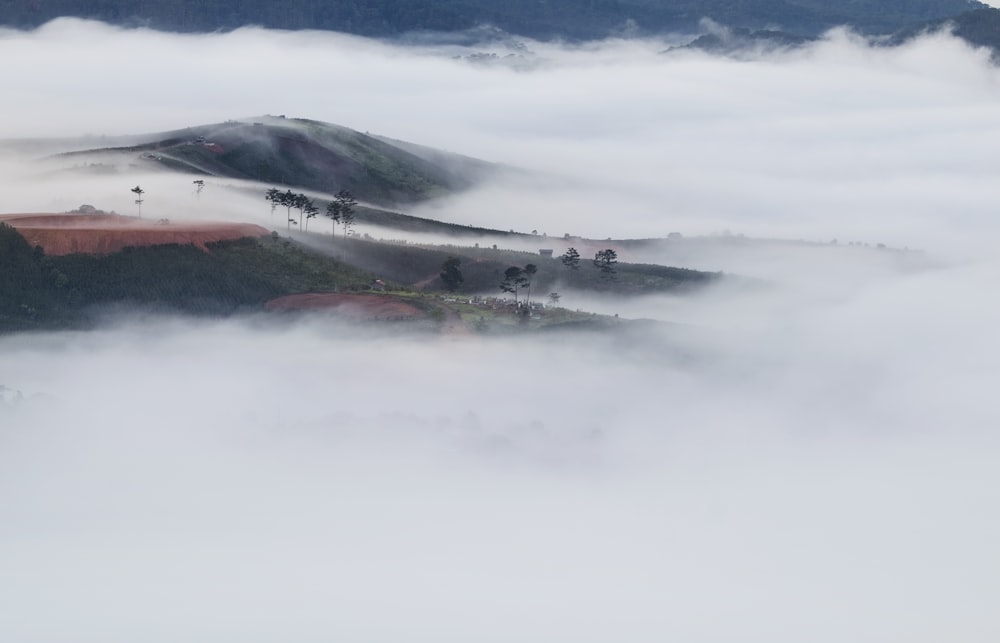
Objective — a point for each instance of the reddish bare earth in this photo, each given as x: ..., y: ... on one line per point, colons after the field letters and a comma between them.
x: 63, y: 234
x: 358, y: 306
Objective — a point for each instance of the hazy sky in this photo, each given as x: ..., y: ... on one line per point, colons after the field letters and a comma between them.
x: 810, y: 460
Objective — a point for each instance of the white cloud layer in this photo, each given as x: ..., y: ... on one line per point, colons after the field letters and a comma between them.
x: 236, y: 483
x: 812, y: 459
x: 838, y: 140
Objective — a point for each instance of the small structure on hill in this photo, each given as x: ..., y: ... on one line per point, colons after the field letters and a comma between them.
x: 545, y: 252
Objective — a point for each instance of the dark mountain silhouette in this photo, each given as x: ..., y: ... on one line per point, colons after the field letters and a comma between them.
x: 569, y: 19
x: 980, y: 28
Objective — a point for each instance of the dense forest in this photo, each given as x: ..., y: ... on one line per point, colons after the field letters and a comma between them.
x: 571, y: 19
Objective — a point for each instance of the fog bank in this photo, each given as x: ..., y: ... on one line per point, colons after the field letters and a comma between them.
x: 245, y: 483
x: 811, y: 458
x: 836, y: 140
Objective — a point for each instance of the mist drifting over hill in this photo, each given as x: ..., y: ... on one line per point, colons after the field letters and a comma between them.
x: 837, y: 140
x: 811, y: 460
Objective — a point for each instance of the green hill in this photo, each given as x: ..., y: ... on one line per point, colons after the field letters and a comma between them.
x: 304, y: 154
x: 40, y: 292
x: 418, y: 266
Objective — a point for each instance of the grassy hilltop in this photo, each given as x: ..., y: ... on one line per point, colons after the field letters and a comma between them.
x: 301, y: 153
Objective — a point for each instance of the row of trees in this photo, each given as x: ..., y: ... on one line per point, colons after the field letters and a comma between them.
x: 290, y: 200
x: 339, y: 210
x: 604, y: 260
x: 517, y: 279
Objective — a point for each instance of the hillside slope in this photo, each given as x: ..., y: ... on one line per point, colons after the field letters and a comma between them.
x: 980, y: 28
x: 39, y: 291
x: 304, y: 154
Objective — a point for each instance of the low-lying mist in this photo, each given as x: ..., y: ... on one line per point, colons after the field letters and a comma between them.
x: 823, y: 479
x: 808, y: 454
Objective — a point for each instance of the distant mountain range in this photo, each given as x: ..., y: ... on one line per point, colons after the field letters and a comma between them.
x: 979, y: 28
x: 546, y: 19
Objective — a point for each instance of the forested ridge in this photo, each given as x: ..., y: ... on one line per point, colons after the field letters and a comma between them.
x: 573, y: 19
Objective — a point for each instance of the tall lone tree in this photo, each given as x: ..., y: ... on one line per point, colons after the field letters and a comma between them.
x: 513, y: 281
x: 311, y: 211
x: 529, y: 274
x: 571, y: 259
x: 451, y: 275
x: 333, y: 211
x: 273, y: 196
x: 138, y: 191
x: 606, y: 260
x: 300, y: 203
x: 347, y: 203
x: 287, y: 199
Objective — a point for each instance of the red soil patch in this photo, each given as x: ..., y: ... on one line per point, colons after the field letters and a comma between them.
x: 63, y: 234
x: 357, y: 306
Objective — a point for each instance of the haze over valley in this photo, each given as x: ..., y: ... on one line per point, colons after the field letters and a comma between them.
x: 791, y: 439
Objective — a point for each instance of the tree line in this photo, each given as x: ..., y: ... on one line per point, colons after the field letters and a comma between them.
x: 519, y: 279
x: 604, y: 260
x: 555, y: 18
x: 339, y: 210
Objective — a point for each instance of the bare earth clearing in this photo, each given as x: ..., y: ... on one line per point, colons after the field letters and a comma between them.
x: 63, y: 234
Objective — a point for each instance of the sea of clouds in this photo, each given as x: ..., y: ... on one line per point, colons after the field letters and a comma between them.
x: 810, y: 459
